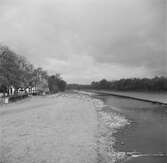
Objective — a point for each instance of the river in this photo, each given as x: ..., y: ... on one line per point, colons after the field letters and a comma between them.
x: 146, y: 134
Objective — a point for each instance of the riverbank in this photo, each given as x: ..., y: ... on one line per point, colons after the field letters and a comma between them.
x: 62, y: 128
x: 108, y: 124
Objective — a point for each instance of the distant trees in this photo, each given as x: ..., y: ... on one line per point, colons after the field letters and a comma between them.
x: 39, y: 79
x: 17, y: 72
x: 56, y: 83
x: 133, y: 84
x: 78, y: 86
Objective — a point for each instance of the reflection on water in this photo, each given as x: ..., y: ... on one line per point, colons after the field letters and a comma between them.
x: 148, y: 131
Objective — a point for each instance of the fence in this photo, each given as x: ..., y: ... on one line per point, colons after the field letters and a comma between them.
x: 1, y: 100
x: 4, y: 100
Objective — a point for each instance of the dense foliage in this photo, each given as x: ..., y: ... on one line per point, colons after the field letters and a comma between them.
x: 134, y: 84
x: 17, y: 72
x: 14, y: 70
x: 56, y: 84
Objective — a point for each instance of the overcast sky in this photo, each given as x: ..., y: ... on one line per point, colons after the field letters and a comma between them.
x: 87, y: 40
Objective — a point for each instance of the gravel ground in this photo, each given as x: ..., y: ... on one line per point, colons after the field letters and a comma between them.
x: 52, y: 129
x: 61, y: 128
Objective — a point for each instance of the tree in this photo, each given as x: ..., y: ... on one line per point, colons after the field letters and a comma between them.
x: 133, y: 84
x: 39, y: 80
x: 56, y: 83
x: 10, y: 74
x: 16, y: 71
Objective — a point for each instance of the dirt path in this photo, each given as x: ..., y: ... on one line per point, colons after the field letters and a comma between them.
x: 49, y: 129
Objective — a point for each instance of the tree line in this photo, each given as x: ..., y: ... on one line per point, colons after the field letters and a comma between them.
x: 133, y: 84
x: 17, y: 72
x: 130, y: 84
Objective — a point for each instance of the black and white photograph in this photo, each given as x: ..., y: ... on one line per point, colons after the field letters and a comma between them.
x: 83, y: 81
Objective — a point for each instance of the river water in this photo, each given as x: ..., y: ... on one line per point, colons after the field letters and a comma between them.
x: 147, y: 132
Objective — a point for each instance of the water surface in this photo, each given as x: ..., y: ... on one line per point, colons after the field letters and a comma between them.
x: 147, y: 133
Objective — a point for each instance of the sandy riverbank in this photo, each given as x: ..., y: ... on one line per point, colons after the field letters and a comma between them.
x: 63, y: 128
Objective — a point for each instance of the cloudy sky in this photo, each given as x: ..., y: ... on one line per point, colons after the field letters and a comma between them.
x: 87, y: 40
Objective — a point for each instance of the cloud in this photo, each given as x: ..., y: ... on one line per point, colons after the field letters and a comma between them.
x: 88, y: 39
x: 135, y: 35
